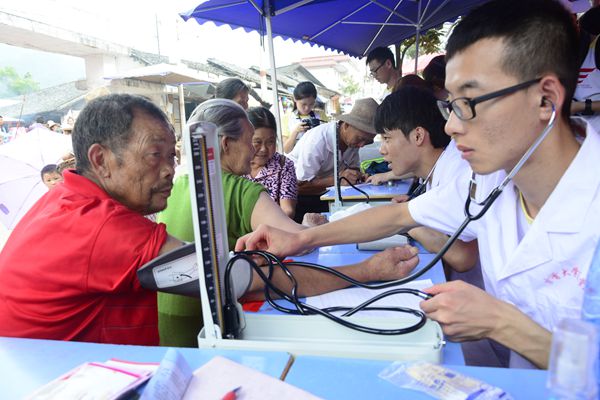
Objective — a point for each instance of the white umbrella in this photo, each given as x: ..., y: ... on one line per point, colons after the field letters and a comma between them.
x: 21, y: 161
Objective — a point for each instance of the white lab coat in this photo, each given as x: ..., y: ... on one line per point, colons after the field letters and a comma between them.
x: 544, y: 274
x: 313, y: 154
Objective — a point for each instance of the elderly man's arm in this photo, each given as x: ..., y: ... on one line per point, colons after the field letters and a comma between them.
x: 170, y: 244
x: 466, y: 312
x: 394, y: 263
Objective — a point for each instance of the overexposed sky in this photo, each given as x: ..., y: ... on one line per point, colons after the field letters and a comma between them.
x: 135, y: 23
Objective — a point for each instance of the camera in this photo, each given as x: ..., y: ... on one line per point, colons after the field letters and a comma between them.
x: 311, y: 122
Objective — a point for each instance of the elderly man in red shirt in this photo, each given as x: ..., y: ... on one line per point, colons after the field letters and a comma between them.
x: 69, y: 267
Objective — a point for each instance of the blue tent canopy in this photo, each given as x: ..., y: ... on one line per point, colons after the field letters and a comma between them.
x: 353, y: 27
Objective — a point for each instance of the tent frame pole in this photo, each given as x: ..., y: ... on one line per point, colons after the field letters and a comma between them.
x: 182, y: 116
x: 267, y: 12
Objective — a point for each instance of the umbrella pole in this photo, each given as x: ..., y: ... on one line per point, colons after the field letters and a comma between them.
x: 182, y: 118
x: 273, y: 76
x: 417, y: 37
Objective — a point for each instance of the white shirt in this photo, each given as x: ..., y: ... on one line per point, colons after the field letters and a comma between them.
x: 313, y: 154
x: 544, y: 273
x: 448, y: 166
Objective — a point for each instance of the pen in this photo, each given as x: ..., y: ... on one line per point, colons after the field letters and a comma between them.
x: 232, y: 395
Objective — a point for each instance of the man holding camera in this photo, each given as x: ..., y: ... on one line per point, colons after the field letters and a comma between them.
x: 313, y: 155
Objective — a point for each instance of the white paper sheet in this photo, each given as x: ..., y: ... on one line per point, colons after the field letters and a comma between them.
x: 354, y: 296
x: 220, y: 375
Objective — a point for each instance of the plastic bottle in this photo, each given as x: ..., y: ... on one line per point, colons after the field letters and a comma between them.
x: 590, y: 310
x: 571, y: 374
x: 591, y: 297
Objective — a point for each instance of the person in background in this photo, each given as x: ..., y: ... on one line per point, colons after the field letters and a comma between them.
x: 302, y: 117
x: 248, y: 205
x: 50, y: 176
x: 382, y: 67
x: 233, y: 89
x: 313, y: 156
x: 39, y: 123
x: 54, y: 126
x: 5, y: 135
x: 67, y: 128
x: 587, y: 94
x: 272, y: 170
x: 410, y: 80
x: 2, y: 126
x: 435, y: 75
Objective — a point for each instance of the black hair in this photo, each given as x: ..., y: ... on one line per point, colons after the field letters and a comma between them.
x: 381, y: 54
x: 107, y: 120
x: 539, y: 36
x: 39, y: 119
x: 229, y: 88
x: 435, y: 72
x: 48, y: 169
x: 260, y: 117
x: 590, y: 21
x: 414, y: 80
x: 408, y: 108
x: 304, y: 90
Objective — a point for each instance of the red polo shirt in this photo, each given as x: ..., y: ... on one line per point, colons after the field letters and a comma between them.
x: 68, y: 270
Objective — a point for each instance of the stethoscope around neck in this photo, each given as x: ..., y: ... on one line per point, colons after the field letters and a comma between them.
x: 484, y: 204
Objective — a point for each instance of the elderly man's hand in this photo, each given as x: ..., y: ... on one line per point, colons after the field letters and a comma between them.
x: 393, y: 263
x: 464, y: 311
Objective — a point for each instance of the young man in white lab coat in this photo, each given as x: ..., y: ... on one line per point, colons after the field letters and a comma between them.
x: 536, y: 241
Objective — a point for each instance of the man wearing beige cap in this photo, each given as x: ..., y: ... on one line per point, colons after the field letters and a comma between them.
x: 313, y: 155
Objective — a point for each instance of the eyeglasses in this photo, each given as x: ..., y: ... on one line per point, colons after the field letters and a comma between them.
x: 374, y: 72
x: 464, y: 107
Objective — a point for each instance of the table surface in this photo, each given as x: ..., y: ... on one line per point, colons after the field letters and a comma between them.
x: 374, y: 191
x: 30, y: 363
x: 358, y: 379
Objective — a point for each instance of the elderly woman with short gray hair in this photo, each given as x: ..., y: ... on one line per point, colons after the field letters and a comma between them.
x: 247, y: 205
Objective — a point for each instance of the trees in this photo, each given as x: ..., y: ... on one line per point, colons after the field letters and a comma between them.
x: 429, y: 42
x: 12, y: 84
x: 349, y: 86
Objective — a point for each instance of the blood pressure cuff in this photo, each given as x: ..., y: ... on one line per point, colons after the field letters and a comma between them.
x: 174, y: 272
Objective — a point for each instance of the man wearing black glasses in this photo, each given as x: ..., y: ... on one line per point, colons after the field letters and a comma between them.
x: 382, y: 67
x: 511, y: 73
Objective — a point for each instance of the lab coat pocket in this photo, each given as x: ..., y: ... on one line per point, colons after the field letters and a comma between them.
x: 559, y: 299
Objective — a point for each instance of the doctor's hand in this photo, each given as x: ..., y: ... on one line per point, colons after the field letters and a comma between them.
x: 276, y: 241
x: 391, y: 264
x: 464, y: 311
